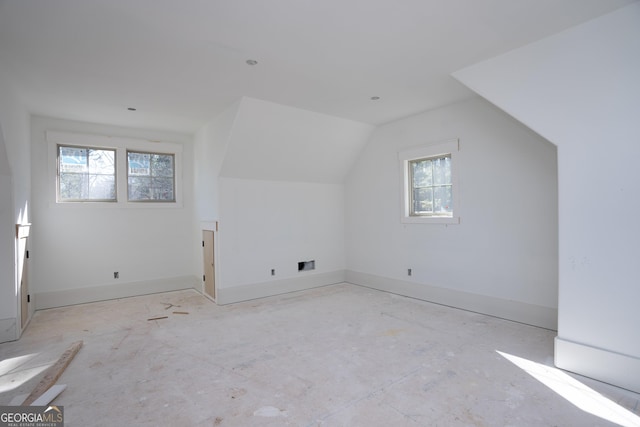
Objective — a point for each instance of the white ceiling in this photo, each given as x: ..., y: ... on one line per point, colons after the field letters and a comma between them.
x: 181, y: 62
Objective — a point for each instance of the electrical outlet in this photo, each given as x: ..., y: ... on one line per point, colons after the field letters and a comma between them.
x: 409, y: 272
x: 116, y: 275
x: 273, y: 271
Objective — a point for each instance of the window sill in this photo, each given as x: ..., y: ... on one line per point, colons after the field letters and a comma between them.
x: 430, y: 220
x: 115, y: 205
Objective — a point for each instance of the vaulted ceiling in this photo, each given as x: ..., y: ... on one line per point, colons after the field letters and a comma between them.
x: 181, y: 62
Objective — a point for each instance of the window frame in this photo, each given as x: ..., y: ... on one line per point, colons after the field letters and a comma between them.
x: 120, y: 144
x: 412, y: 190
x: 430, y: 151
x: 59, y: 198
x: 173, y: 177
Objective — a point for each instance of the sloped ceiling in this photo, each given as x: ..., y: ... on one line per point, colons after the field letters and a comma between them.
x: 274, y: 142
x: 182, y: 62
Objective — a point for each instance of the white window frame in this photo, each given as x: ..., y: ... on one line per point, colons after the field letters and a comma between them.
x: 121, y: 145
x: 59, y: 172
x: 443, y: 148
x: 128, y: 169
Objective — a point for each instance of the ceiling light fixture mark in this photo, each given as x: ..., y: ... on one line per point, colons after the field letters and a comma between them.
x: 375, y: 98
x: 252, y: 62
x: 131, y: 109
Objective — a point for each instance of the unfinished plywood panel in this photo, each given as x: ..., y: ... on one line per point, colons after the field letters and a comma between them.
x: 22, y: 233
x: 208, y: 251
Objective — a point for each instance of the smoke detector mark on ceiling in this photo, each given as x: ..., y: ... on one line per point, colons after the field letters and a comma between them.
x: 252, y: 62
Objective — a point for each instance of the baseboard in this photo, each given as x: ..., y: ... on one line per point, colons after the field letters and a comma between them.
x: 276, y: 287
x: 122, y: 290
x: 613, y: 368
x: 8, y: 329
x: 530, y: 314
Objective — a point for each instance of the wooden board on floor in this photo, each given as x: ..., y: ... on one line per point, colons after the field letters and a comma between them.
x: 53, y: 373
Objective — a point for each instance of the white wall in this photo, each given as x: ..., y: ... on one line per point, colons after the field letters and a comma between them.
x: 8, y: 296
x: 580, y: 89
x: 502, y: 258
x: 15, y: 185
x: 279, y: 143
x: 273, y: 225
x: 210, y: 147
x: 272, y: 176
x: 76, y: 248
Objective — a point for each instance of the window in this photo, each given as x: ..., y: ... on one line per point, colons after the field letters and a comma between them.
x: 113, y: 172
x: 431, y: 187
x: 429, y: 184
x: 86, y: 174
x: 150, y: 177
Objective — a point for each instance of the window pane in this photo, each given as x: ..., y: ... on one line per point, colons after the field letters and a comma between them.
x: 86, y: 174
x: 422, y: 173
x: 162, y: 165
x: 443, y: 199
x: 163, y: 189
x: 139, y: 188
x: 102, y: 187
x: 102, y: 162
x: 442, y: 171
x: 151, y: 177
x: 139, y: 164
x: 72, y: 186
x: 422, y: 200
x: 431, y: 191
x: 73, y: 159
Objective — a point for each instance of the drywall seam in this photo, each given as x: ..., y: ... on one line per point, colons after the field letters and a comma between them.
x: 106, y: 292
x: 614, y: 368
x: 266, y: 289
x: 530, y: 314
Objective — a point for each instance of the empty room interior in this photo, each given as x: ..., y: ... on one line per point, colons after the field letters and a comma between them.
x: 321, y: 213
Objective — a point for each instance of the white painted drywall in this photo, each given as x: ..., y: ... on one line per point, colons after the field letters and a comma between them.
x: 79, y: 247
x: 580, y: 89
x: 15, y: 176
x: 279, y: 143
x: 210, y: 147
x: 281, y: 198
x: 274, y: 224
x: 8, y: 297
x: 505, y: 246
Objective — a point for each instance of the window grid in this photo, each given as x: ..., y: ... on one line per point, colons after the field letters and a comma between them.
x: 86, y: 174
x: 150, y: 177
x: 431, y: 187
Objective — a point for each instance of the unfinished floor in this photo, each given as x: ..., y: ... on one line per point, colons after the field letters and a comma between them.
x: 340, y: 355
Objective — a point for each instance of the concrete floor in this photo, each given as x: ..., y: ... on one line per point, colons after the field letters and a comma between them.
x: 340, y: 355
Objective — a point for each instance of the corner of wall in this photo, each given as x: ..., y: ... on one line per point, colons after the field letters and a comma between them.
x: 267, y: 289
x: 530, y: 314
x: 8, y: 330
x: 44, y: 300
x: 613, y: 368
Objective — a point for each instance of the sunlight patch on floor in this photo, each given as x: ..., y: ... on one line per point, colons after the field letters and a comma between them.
x: 575, y: 392
x: 12, y: 377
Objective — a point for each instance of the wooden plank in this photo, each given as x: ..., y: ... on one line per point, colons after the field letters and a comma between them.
x: 180, y: 312
x: 53, y: 373
x: 158, y: 318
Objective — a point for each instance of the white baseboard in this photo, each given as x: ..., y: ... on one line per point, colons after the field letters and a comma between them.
x: 8, y: 330
x: 266, y: 289
x: 122, y: 290
x: 530, y: 314
x: 602, y: 365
